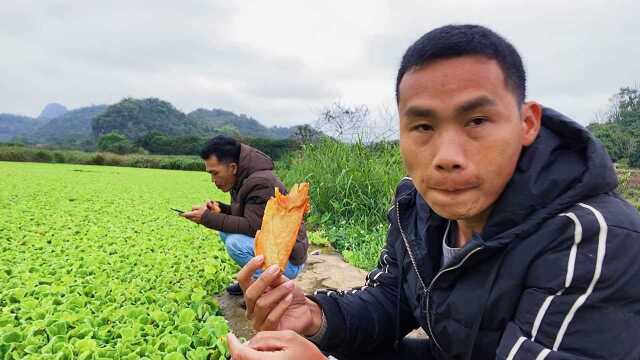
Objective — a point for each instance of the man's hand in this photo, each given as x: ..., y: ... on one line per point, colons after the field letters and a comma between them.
x: 275, y: 302
x: 214, y: 207
x: 196, y: 213
x: 274, y: 345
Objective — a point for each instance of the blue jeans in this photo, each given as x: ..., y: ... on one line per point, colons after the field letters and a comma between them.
x: 240, y: 249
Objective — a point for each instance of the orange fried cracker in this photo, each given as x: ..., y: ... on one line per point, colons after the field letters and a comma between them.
x: 280, y: 225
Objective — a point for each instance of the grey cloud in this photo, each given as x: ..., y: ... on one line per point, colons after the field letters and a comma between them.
x: 203, y: 53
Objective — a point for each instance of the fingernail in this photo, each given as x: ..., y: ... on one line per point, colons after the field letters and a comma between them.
x: 259, y: 258
x: 273, y: 269
x: 288, y: 285
x: 288, y: 298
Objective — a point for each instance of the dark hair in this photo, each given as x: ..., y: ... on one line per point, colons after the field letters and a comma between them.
x: 452, y: 41
x: 226, y: 149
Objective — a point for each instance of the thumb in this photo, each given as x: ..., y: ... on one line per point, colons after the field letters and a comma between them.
x: 234, y: 343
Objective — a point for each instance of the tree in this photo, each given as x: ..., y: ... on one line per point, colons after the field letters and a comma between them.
x: 620, y: 144
x: 115, y: 143
x: 343, y: 121
x: 306, y: 134
x: 619, y: 127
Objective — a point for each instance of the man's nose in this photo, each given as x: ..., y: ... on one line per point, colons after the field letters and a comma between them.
x: 450, y: 154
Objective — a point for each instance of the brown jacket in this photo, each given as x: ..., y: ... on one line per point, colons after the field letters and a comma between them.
x: 255, y: 184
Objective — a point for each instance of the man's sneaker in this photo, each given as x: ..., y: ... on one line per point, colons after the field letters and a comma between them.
x: 234, y: 289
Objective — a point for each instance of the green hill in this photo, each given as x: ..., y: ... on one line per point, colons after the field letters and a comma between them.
x: 218, y: 120
x: 148, y: 123
x: 71, y: 127
x: 135, y: 119
x: 17, y: 126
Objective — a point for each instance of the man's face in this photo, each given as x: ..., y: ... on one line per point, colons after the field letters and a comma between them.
x: 461, y: 133
x: 223, y: 175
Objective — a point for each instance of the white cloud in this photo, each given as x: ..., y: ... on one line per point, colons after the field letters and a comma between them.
x: 282, y: 61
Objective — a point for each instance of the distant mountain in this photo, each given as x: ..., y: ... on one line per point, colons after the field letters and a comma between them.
x: 228, y: 122
x: 71, y: 127
x: 12, y: 126
x: 135, y: 119
x: 52, y: 111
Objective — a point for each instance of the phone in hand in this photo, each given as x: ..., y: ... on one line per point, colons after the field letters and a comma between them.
x: 180, y: 212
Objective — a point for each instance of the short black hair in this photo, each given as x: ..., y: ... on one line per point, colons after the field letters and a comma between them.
x: 225, y: 148
x: 452, y: 41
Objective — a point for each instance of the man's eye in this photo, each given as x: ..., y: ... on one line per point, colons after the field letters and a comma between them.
x: 423, y: 127
x: 477, y: 121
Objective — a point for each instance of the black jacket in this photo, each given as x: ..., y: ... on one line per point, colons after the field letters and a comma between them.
x: 555, y: 273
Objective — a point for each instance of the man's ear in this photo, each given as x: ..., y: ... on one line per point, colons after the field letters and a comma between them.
x: 234, y: 168
x: 531, y: 119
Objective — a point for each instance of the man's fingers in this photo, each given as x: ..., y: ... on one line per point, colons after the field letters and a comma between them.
x: 268, y: 301
x: 234, y: 343
x: 272, y: 319
x: 242, y: 352
x: 272, y: 340
x: 245, y: 275
x: 257, y: 289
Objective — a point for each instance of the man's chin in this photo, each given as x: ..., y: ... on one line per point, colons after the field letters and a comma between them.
x: 454, y: 211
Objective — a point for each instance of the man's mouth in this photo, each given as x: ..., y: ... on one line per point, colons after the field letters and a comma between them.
x: 452, y: 190
x: 456, y: 189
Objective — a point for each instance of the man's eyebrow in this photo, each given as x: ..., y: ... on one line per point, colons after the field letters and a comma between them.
x: 474, y: 104
x: 420, y: 112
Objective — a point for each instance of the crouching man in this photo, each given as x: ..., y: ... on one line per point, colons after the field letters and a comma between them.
x: 248, y: 174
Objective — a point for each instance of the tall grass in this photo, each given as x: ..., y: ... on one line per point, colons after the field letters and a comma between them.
x: 29, y: 154
x: 352, y: 187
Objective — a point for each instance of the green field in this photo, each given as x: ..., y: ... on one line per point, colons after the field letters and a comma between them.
x: 93, y: 264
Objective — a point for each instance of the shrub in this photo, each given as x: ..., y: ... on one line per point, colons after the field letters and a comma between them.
x: 352, y: 186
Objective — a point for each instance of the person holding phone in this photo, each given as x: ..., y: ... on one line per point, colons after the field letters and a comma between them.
x: 248, y: 175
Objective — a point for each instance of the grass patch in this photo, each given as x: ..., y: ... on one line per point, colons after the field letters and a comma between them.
x: 352, y: 187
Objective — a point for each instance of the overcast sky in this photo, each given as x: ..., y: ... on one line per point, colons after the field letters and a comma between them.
x: 282, y: 61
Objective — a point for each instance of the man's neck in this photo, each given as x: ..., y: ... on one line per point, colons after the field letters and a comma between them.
x: 470, y: 226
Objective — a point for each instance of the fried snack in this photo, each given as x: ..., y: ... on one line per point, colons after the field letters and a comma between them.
x: 280, y: 225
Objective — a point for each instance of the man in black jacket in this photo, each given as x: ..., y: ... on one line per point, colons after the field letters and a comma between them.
x: 507, y: 240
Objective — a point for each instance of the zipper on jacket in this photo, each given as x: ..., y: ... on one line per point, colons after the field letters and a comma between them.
x: 427, y: 290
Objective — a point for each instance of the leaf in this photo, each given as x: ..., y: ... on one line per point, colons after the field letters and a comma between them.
x: 186, y: 329
x: 12, y: 337
x: 159, y: 316
x: 81, y: 332
x: 198, y: 294
x: 199, y: 353
x: 184, y: 340
x: 57, y: 328
x: 127, y: 333
x: 174, y: 356
x: 86, y: 345
x: 218, y: 325
x: 186, y: 316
